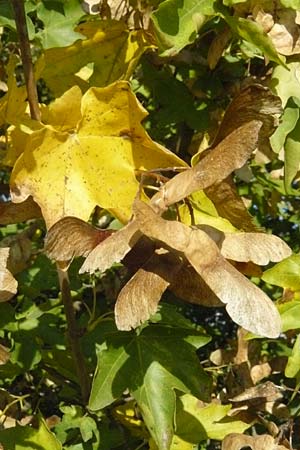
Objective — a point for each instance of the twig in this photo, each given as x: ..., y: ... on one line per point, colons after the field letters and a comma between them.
x: 20, y: 19
x: 73, y: 335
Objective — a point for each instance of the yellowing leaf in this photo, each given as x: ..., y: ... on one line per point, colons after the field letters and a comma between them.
x: 204, y: 213
x: 69, y: 172
x: 8, y: 285
x: 209, y: 421
x: 13, y: 103
x: 58, y: 116
x: 109, y: 45
x: 17, y: 139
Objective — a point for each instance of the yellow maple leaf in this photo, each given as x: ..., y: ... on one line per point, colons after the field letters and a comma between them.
x: 69, y: 167
x: 110, y: 46
x: 53, y: 115
x: 13, y: 103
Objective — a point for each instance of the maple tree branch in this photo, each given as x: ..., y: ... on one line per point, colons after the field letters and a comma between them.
x: 20, y: 19
x: 73, y: 335
x: 72, y: 331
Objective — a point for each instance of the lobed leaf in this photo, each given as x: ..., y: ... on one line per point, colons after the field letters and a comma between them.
x: 211, y: 421
x: 254, y: 33
x: 147, y: 365
x: 111, y: 48
x: 285, y: 273
x: 88, y: 160
x: 176, y: 23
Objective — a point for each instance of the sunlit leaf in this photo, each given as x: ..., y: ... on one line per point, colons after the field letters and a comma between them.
x: 176, y: 23
x: 25, y: 437
x: 286, y: 81
x: 285, y: 273
x: 210, y: 421
x: 287, y: 124
x: 254, y: 33
x: 95, y: 161
x: 110, y: 46
x: 292, y: 368
x: 290, y: 315
x: 13, y: 103
x: 291, y: 156
x: 294, y: 4
x: 204, y: 213
x: 59, y: 23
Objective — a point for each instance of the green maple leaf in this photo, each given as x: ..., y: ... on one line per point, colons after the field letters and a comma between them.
x: 151, y: 364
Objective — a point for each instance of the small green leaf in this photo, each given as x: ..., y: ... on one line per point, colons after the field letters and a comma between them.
x: 147, y: 365
x: 59, y: 21
x: 232, y: 2
x: 293, y: 365
x: 291, y: 156
x: 7, y: 17
x: 287, y: 124
x: 29, y: 438
x: 293, y: 4
x: 285, y: 274
x: 176, y: 23
x: 290, y: 315
x: 286, y: 81
x: 196, y: 422
x: 254, y: 33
